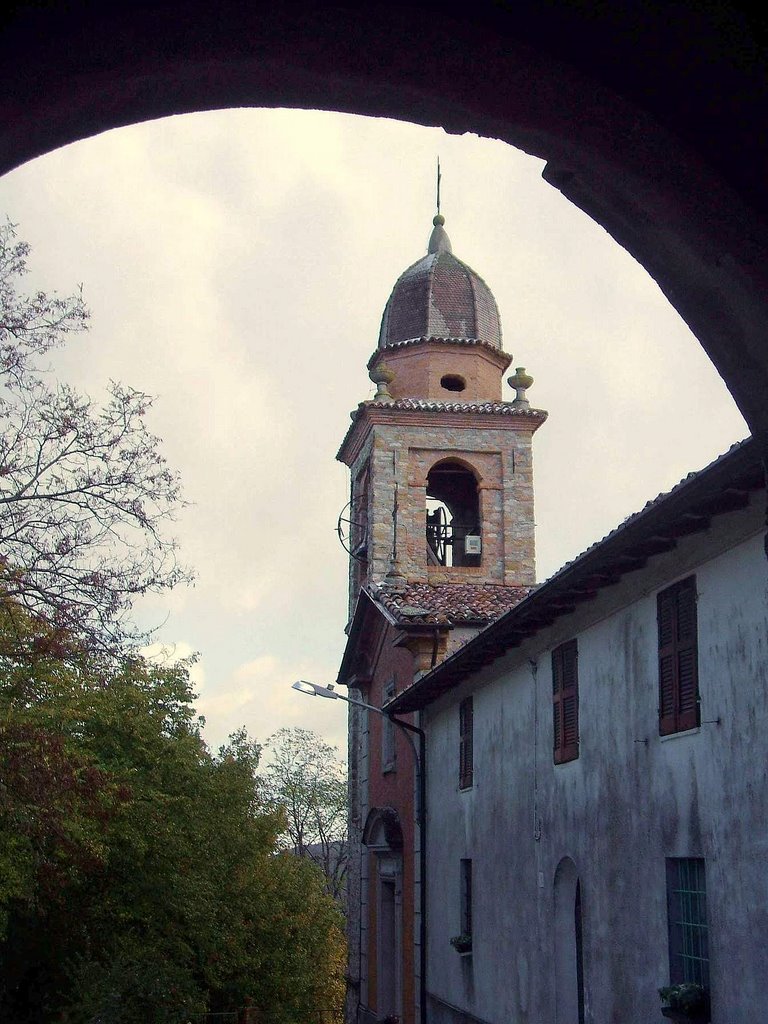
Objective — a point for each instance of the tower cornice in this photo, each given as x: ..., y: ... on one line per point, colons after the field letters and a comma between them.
x: 497, y: 355
x: 411, y: 412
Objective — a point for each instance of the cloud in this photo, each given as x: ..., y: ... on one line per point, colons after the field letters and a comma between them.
x: 167, y: 654
x: 258, y: 695
x: 238, y: 263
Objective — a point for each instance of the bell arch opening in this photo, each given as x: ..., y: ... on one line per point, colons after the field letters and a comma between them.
x: 453, y: 527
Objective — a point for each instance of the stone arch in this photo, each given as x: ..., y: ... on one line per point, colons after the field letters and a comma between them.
x: 568, y: 957
x: 382, y: 832
x: 458, y: 460
x: 453, y: 488
x: 645, y: 117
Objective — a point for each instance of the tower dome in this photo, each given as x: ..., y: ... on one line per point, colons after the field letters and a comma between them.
x: 440, y: 297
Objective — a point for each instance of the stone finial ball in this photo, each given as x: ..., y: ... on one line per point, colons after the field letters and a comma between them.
x: 438, y: 220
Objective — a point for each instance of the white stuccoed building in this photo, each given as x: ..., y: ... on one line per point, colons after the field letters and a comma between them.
x: 597, y: 808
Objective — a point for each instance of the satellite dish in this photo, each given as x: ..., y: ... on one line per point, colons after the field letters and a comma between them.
x: 352, y: 530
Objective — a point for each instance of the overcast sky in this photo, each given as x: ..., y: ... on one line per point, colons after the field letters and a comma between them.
x: 237, y: 264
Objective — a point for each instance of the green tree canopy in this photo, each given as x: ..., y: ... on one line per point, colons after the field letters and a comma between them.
x: 140, y: 874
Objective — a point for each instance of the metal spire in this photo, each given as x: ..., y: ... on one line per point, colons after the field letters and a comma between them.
x: 439, y: 240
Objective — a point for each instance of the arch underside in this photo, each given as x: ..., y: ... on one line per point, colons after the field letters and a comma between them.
x: 649, y: 119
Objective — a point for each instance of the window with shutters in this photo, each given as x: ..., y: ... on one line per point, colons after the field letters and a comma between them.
x: 678, y: 658
x: 465, y: 743
x: 565, y: 702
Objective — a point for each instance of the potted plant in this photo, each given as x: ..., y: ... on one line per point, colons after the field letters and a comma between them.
x: 462, y: 943
x: 687, y: 1003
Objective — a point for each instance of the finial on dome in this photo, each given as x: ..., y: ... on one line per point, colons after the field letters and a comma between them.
x: 439, y: 240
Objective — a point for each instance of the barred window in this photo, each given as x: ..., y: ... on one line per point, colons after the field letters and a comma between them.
x: 687, y: 919
x: 466, y: 898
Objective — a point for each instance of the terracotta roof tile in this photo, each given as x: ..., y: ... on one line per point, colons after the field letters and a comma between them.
x: 450, y: 604
x: 380, y: 354
x: 718, y: 488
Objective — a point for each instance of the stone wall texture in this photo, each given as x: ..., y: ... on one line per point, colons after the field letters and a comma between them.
x: 497, y: 450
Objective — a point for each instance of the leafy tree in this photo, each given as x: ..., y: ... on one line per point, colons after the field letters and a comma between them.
x: 84, y: 490
x: 308, y: 781
x: 140, y: 877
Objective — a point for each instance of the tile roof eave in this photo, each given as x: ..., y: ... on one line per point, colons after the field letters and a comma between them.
x: 505, y: 409
x: 474, y: 342
x: 501, y: 635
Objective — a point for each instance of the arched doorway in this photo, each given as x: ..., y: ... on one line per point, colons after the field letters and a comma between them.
x: 569, y: 963
x: 383, y: 838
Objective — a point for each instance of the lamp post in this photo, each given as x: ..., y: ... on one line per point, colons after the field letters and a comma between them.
x: 409, y: 731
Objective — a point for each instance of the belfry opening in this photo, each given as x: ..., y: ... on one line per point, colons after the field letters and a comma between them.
x: 453, y: 516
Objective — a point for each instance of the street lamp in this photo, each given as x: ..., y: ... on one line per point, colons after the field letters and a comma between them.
x: 316, y: 690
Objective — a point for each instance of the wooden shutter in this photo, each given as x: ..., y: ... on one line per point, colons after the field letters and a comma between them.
x: 565, y: 702
x: 687, y: 660
x: 678, y: 661
x: 465, y: 743
x: 667, y: 620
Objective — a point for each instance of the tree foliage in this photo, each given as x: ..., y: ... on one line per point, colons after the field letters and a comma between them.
x: 84, y: 490
x: 140, y: 874
x: 306, y: 778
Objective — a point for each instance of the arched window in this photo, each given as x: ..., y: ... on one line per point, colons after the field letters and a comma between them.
x: 453, y: 515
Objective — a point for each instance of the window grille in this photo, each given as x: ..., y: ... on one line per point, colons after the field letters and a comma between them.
x: 466, y: 897
x: 687, y: 917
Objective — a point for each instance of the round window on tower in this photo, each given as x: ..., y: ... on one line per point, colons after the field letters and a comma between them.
x: 452, y: 382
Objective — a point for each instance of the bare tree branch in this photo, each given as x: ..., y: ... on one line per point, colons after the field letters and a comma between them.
x: 84, y: 490
x: 307, y: 779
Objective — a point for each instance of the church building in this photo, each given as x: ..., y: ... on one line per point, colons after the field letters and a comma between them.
x: 441, y: 541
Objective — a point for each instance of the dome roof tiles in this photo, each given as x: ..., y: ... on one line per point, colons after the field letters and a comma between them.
x: 439, y: 296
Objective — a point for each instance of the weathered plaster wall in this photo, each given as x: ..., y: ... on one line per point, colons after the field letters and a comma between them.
x: 630, y: 800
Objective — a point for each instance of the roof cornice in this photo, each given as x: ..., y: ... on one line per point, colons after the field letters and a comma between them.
x: 688, y: 508
x: 499, y: 356
x: 423, y: 413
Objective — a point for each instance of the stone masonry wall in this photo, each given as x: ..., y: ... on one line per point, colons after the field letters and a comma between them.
x: 499, y: 453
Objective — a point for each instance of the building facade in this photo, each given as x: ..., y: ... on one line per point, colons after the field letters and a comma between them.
x: 441, y: 540
x: 596, y: 777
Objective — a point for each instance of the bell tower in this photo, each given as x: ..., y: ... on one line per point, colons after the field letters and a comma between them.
x: 441, y: 469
